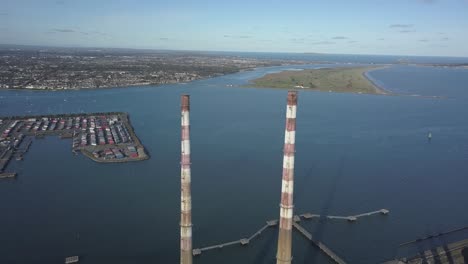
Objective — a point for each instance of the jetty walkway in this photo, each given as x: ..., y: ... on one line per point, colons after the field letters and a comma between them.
x: 350, y: 218
x: 242, y: 241
x: 319, y: 244
x: 297, y: 218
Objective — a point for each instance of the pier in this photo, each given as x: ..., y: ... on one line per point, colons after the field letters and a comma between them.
x: 24, y: 149
x: 299, y: 228
x: 319, y: 244
x: 198, y: 251
x: 442, y: 254
x: 5, y: 159
x: 434, y: 236
x: 242, y: 241
x: 351, y: 218
x: 448, y: 252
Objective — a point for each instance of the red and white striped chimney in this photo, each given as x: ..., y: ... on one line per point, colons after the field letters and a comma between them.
x: 186, y: 197
x: 284, y: 253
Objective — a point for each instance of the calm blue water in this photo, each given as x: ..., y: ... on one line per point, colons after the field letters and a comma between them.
x: 355, y: 153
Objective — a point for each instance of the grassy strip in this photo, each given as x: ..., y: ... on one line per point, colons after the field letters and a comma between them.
x: 350, y: 80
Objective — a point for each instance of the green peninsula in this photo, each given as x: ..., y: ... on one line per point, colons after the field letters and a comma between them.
x: 350, y: 80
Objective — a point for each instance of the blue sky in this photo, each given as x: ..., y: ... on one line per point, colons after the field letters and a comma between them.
x: 393, y: 27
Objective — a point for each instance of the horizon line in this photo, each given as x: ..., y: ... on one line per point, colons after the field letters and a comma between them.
x: 226, y: 51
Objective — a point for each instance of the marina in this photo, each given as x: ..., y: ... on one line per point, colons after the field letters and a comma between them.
x: 102, y: 137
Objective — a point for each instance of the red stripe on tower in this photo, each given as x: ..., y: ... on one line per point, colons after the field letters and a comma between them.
x: 186, y: 197
x: 284, y: 253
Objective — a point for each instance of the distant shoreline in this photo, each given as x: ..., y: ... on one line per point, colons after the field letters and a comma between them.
x: 378, y: 89
x: 137, y: 84
x: 102, y: 87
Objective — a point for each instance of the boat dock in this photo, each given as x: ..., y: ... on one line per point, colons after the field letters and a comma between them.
x: 300, y: 229
x: 5, y: 159
x: 23, y: 150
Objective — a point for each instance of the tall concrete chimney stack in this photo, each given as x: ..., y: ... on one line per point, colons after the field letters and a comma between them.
x: 284, y: 254
x: 186, y: 197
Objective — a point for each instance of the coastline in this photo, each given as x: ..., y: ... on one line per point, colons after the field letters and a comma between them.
x: 363, y: 72
x: 124, y: 160
x: 99, y: 88
x: 142, y: 84
x: 379, y: 89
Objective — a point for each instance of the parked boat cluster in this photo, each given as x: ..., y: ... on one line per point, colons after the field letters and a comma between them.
x: 103, y: 137
x: 100, y: 130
